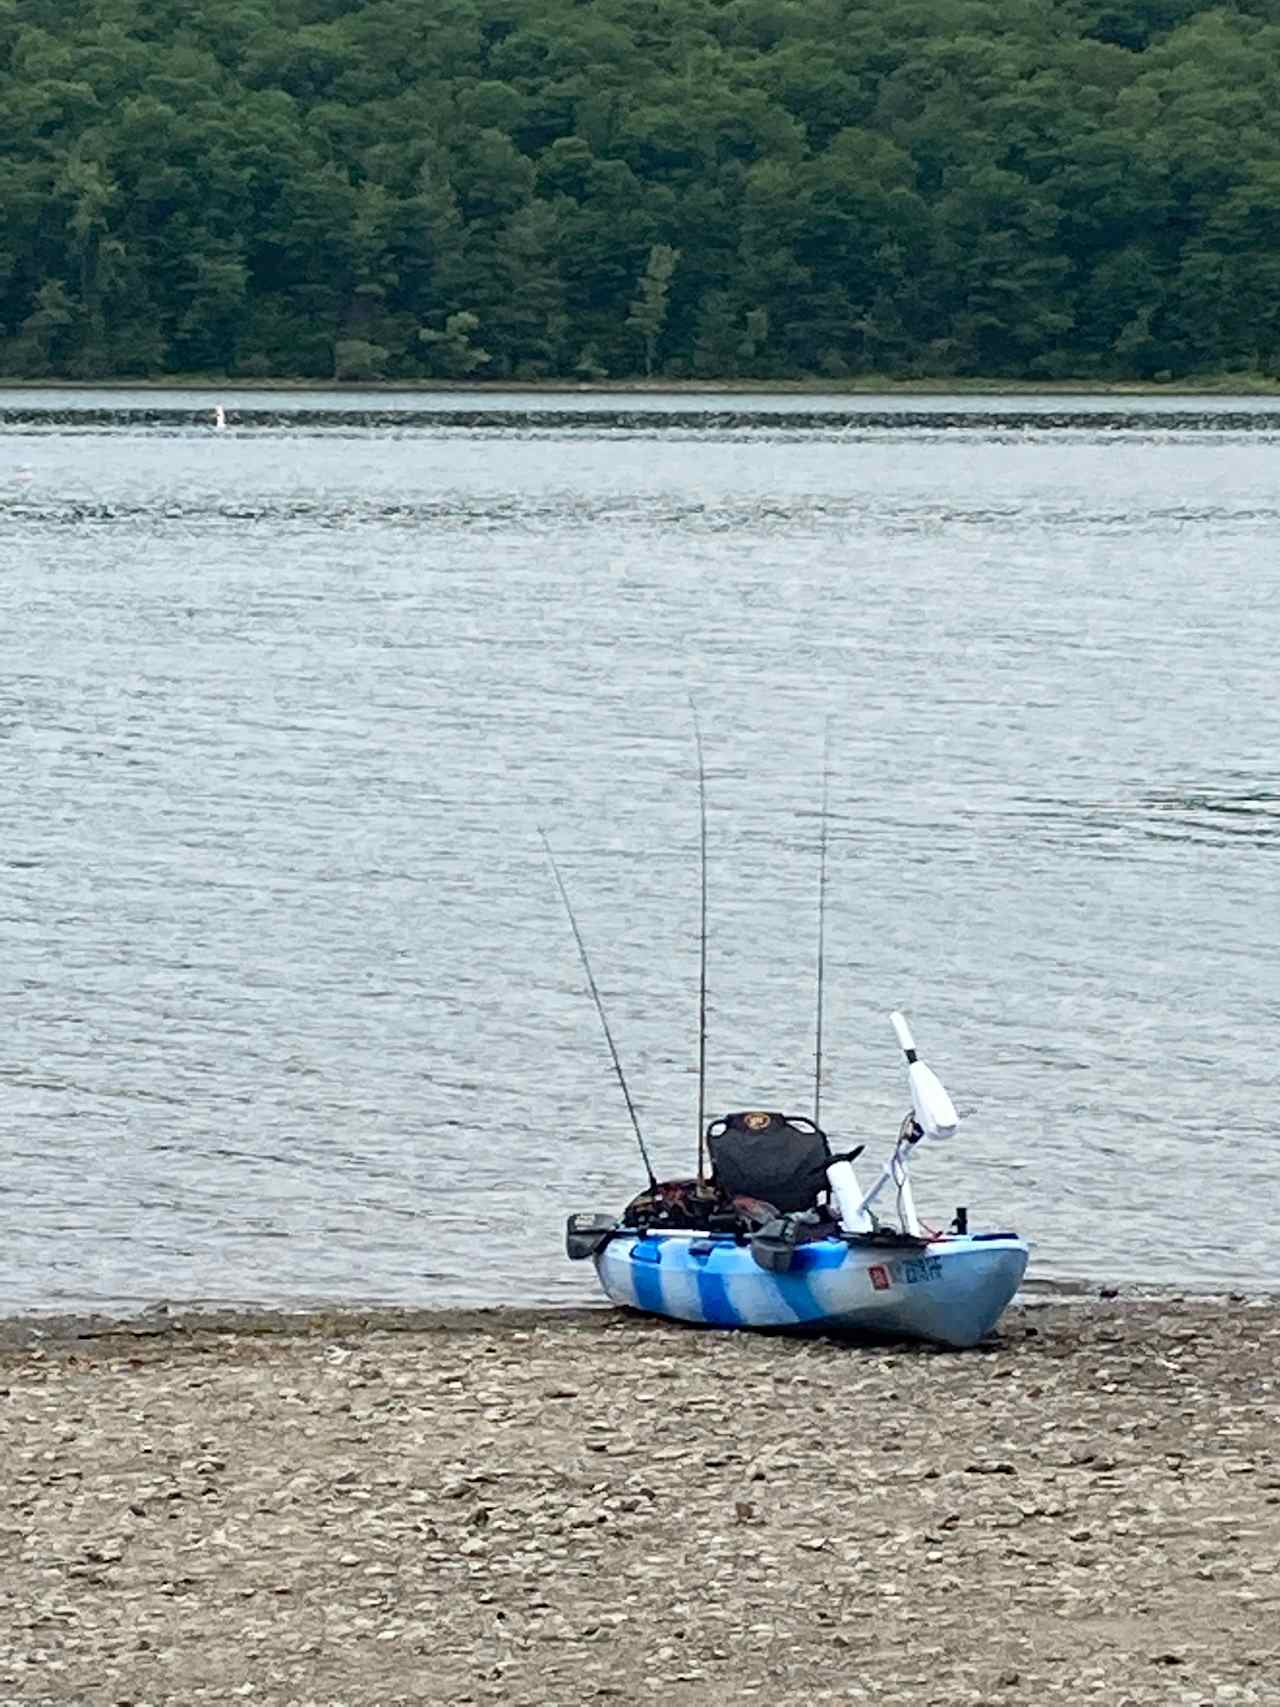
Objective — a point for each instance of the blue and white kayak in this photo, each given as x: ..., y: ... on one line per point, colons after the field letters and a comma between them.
x: 950, y: 1291
x: 781, y: 1235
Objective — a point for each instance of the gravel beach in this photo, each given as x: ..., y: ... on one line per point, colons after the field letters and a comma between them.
x: 547, y: 1507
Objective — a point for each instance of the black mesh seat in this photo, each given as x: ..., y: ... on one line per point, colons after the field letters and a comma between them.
x: 781, y: 1158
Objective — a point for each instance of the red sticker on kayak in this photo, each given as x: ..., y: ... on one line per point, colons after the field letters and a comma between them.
x: 879, y: 1277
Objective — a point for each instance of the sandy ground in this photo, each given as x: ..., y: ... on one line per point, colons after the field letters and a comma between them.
x: 566, y: 1508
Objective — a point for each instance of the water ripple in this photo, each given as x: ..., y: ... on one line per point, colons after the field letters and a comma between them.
x: 289, y: 1008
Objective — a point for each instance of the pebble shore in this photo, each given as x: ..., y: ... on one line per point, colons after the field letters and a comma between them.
x: 350, y: 1509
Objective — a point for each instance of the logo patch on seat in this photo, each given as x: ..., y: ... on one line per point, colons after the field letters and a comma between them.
x: 879, y: 1277
x: 757, y: 1122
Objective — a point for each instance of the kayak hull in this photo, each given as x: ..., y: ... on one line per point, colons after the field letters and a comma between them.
x: 951, y: 1292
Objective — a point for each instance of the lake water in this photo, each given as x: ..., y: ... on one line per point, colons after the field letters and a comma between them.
x: 290, y: 1007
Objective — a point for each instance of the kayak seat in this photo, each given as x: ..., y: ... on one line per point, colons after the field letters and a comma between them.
x: 780, y: 1158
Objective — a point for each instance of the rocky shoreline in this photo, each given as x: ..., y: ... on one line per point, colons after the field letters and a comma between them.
x: 560, y: 1507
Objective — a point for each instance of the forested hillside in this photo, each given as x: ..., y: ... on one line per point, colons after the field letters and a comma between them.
x: 539, y: 188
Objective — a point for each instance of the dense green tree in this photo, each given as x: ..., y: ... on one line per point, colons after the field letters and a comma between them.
x: 366, y: 189
x: 649, y: 310
x: 453, y: 352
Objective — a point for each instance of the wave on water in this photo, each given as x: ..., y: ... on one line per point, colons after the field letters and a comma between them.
x: 1215, y: 814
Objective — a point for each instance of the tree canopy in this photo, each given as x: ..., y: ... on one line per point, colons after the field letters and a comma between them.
x: 584, y: 189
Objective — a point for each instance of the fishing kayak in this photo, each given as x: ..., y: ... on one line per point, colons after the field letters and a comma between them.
x: 775, y: 1230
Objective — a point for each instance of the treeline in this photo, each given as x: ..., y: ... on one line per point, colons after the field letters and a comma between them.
x: 585, y: 189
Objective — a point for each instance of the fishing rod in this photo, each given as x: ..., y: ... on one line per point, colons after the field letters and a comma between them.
x: 822, y: 922
x: 595, y: 995
x: 702, y: 946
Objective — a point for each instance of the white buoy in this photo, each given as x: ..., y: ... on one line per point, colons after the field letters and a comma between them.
x: 219, y: 417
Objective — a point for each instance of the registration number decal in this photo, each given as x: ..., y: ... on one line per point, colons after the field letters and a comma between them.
x: 912, y: 1270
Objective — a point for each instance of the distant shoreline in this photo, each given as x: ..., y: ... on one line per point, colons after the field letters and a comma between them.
x: 1239, y: 385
